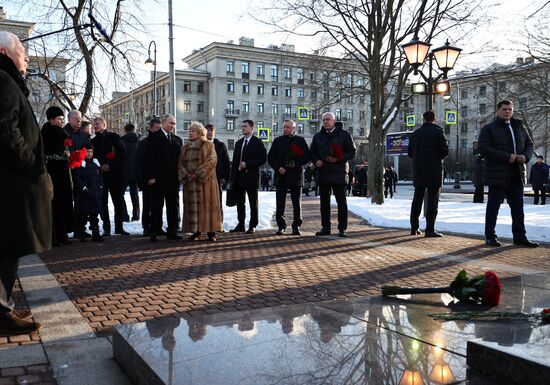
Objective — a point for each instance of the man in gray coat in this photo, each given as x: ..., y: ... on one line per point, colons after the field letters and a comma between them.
x: 26, y: 190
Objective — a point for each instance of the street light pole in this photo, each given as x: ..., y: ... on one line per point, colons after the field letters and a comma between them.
x: 172, y: 73
x: 153, y: 62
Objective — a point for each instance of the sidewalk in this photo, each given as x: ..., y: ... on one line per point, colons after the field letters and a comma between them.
x: 80, y: 291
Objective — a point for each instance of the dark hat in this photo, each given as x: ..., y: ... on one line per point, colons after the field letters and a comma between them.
x: 53, y: 112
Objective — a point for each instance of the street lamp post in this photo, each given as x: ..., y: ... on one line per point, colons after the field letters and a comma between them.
x: 416, y: 53
x: 153, y: 62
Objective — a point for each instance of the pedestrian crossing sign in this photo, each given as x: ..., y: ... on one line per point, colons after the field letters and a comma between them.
x: 263, y: 134
x: 450, y: 117
x: 303, y: 113
x: 411, y: 120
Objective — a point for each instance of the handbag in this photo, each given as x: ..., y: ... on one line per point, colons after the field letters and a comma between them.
x: 230, y: 200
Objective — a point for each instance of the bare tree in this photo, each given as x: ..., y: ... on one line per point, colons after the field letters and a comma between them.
x: 97, y: 42
x: 371, y: 32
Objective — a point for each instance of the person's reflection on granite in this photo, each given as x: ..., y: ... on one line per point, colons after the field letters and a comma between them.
x: 506, y: 333
x: 246, y: 324
x: 286, y: 315
x: 197, y: 329
x: 331, y: 322
x: 164, y: 328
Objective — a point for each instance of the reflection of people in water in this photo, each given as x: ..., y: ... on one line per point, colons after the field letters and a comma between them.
x: 331, y: 322
x: 286, y: 315
x: 164, y: 328
x: 246, y: 324
x: 197, y: 329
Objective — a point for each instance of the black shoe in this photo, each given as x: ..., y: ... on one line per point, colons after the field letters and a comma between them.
x: 162, y: 232
x: 342, y: 234
x: 281, y: 232
x: 97, y: 238
x: 416, y: 232
x: 153, y: 238
x: 238, y: 229
x: 83, y: 239
x: 527, y: 243
x: 433, y: 234
x: 121, y: 232
x: 194, y: 237
x: 146, y: 233
x: 106, y: 233
x: 251, y: 230
x: 322, y: 232
x: 492, y: 242
x: 296, y: 231
x: 174, y: 237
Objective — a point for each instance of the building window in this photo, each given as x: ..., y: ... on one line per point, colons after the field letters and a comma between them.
x: 275, y: 109
x: 229, y: 67
x: 186, y: 124
x: 186, y: 86
x: 338, y: 97
x: 502, y: 86
x: 246, y: 107
x: 522, y: 102
x: 464, y: 127
x: 230, y: 144
x: 300, y: 75
x: 300, y: 92
x: 311, y: 76
x: 349, y: 80
x: 274, y: 73
x: 288, y: 109
x: 36, y: 96
x: 464, y: 111
x: 362, y: 131
x: 325, y: 96
x: 275, y: 127
x: 463, y: 143
x: 361, y: 81
x: 260, y: 108
x: 337, y: 79
x: 200, y: 87
x: 300, y: 128
x: 482, y: 90
x: 230, y: 86
x: 288, y: 91
x: 230, y: 106
x: 349, y: 114
x: 482, y: 109
x: 260, y: 70
x: 230, y: 124
x: 338, y: 114
x: 313, y: 94
x: 200, y: 107
x: 245, y: 67
x: 312, y: 129
x: 187, y: 106
x: 260, y: 89
x: 274, y: 90
x: 246, y: 88
x: 288, y: 73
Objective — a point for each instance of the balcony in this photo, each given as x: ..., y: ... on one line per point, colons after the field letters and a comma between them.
x: 231, y: 113
x: 300, y: 81
x: 245, y: 75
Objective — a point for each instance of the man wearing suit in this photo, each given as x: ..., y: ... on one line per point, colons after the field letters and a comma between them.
x: 222, y: 166
x: 287, y: 156
x: 248, y: 157
x: 427, y: 148
x: 161, y: 173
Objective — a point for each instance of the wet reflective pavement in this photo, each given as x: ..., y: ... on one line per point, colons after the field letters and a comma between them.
x: 362, y: 341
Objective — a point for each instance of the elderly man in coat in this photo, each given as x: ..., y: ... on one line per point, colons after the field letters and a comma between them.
x: 427, y: 148
x: 26, y: 190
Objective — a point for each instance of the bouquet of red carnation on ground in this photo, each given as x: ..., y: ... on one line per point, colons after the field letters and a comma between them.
x: 482, y: 289
x: 543, y: 316
x: 76, y: 158
x: 336, y: 151
x: 294, y: 154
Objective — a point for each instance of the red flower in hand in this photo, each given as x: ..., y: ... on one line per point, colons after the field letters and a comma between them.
x: 296, y: 150
x: 67, y: 142
x: 76, y: 158
x: 110, y: 155
x: 336, y: 152
x: 491, y: 289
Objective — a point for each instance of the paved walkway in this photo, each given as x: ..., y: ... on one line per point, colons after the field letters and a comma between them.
x: 93, y: 287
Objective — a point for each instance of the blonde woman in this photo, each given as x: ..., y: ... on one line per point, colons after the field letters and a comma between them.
x: 197, y: 172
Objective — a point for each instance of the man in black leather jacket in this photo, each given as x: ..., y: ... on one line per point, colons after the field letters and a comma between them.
x: 506, y: 148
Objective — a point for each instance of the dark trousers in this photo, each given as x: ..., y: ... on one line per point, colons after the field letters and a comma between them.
x: 134, y: 196
x: 147, y: 205
x: 542, y: 191
x: 339, y: 191
x: 252, y: 193
x: 388, y: 187
x: 8, y: 273
x: 117, y: 196
x: 94, y: 222
x: 430, y: 210
x: 158, y: 199
x: 479, y: 194
x: 514, y: 196
x: 296, y: 198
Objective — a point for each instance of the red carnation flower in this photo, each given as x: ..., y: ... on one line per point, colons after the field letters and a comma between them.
x: 336, y: 151
x: 491, y: 289
x: 296, y: 150
x: 67, y: 142
x: 76, y: 158
x: 110, y: 155
x: 545, y: 315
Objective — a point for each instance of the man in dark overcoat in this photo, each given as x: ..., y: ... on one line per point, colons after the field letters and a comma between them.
x: 223, y: 165
x: 427, y: 148
x: 249, y: 155
x: 506, y: 148
x: 331, y: 150
x: 538, y: 177
x: 110, y: 153
x: 161, y: 173
x: 26, y: 189
x: 130, y: 142
x: 287, y: 156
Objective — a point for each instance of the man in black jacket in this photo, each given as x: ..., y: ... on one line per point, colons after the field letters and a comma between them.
x: 427, y: 148
x: 146, y: 190
x: 538, y: 177
x: 222, y: 166
x: 331, y: 149
x: 506, y: 148
x: 248, y: 157
x: 130, y: 142
x: 161, y: 173
x: 109, y: 151
x: 287, y: 156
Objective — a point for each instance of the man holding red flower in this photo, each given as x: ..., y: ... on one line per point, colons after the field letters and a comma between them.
x: 331, y: 149
x: 287, y: 156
